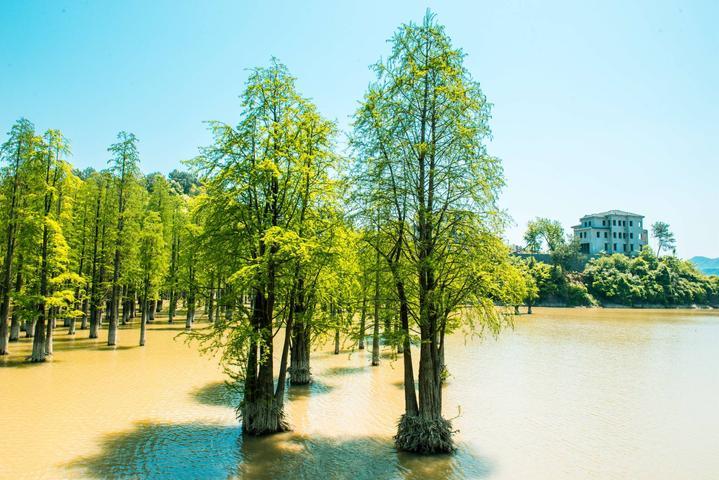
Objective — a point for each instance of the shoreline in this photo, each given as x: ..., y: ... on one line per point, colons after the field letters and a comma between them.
x: 648, y: 306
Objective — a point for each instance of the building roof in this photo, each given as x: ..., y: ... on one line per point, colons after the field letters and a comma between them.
x: 621, y: 213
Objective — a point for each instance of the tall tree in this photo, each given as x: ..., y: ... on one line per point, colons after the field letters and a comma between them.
x: 420, y: 137
x: 124, y: 166
x: 664, y: 237
x: 256, y: 179
x: 15, y: 153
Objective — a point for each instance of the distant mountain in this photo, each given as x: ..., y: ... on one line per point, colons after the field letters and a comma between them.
x: 710, y: 266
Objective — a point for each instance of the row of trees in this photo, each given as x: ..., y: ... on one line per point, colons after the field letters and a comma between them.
x: 406, y: 244
x: 80, y: 246
x: 569, y: 277
x: 282, y: 240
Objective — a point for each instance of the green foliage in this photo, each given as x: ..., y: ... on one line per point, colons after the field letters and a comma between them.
x: 646, y: 279
x: 543, y: 232
x: 665, y: 238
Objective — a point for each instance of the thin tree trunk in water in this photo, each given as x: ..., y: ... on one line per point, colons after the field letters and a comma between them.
x: 14, y: 328
x: 151, y: 311
x: 398, y: 335
x: 375, y: 330
x: 144, y: 314
x: 173, y: 306
x: 529, y: 308
x: 337, y: 341
x: 211, y: 301
x: 39, y: 346
x: 48, y: 337
x: 30, y: 328
x: 4, y: 335
x: 282, y: 376
x: 85, y: 306
x: 363, y: 320
x: 410, y: 395
x: 127, y: 307
x: 9, y: 250
x: 15, y: 320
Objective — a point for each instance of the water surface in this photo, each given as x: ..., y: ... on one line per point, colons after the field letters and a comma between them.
x: 567, y: 394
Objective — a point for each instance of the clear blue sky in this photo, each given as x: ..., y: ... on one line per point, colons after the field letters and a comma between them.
x: 597, y: 105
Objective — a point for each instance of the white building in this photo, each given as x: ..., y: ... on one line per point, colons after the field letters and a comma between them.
x: 614, y: 231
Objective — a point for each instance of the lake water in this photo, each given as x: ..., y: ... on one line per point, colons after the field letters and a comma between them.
x: 567, y: 394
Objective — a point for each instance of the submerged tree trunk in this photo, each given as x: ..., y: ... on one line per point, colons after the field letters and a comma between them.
x: 210, y: 305
x: 375, y: 329
x: 14, y: 328
x: 151, y: 309
x: 48, y: 337
x: 29, y: 328
x: 261, y: 411
x: 85, y: 306
x: 300, y: 373
x: 144, y: 314
x: 363, y: 319
x: 172, y: 307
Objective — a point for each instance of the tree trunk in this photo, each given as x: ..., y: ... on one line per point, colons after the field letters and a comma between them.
x: 14, y: 328
x: 48, y: 337
x: 83, y: 323
x: 38, y: 341
x: 375, y: 329
x: 152, y: 308
x: 30, y: 328
x: 363, y: 320
x: 261, y: 412
x: 300, y: 373
x: 143, y: 320
x: 211, y: 301
x: 173, y: 306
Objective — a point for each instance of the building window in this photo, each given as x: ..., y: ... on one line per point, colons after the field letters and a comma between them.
x: 614, y: 222
x: 631, y: 235
x: 615, y: 247
x: 624, y: 223
x: 604, y: 223
x: 614, y: 234
x: 631, y: 247
x: 599, y: 234
x: 630, y: 223
x: 606, y: 234
x: 606, y: 247
x: 625, y: 247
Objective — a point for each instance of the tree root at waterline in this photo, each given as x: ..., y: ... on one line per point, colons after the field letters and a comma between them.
x: 258, y: 419
x: 422, y: 435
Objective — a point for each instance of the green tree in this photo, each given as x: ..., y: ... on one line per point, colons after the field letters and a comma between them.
x: 124, y: 167
x: 419, y: 134
x: 152, y: 259
x: 255, y: 175
x: 664, y: 237
x: 543, y: 232
x: 16, y: 153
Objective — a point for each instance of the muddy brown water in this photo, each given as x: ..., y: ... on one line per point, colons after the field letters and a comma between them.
x: 567, y: 394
